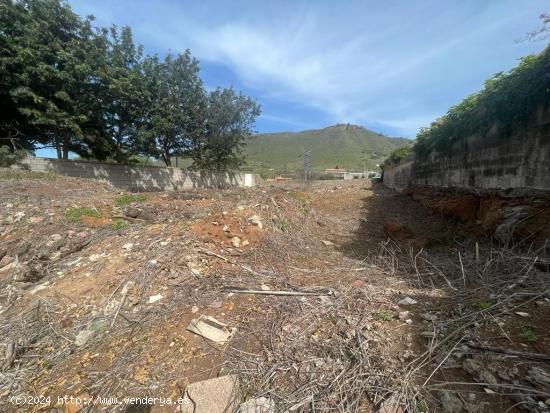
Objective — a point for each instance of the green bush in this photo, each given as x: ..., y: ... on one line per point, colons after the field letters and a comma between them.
x: 398, y: 154
x: 75, y: 214
x: 128, y: 199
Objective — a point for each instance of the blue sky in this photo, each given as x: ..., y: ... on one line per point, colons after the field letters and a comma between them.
x: 391, y: 66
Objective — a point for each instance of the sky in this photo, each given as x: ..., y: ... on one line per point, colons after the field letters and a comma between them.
x: 390, y: 66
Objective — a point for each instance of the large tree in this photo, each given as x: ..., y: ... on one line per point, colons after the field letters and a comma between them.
x: 15, y: 132
x: 123, y: 99
x: 174, y: 118
x: 53, y: 84
x: 230, y: 118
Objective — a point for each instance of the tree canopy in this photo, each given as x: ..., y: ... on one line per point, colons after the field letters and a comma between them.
x: 68, y: 85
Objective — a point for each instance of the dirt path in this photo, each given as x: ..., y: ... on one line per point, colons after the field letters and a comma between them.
x: 99, y: 305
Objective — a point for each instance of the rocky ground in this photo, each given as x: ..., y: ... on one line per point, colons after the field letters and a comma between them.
x: 340, y: 297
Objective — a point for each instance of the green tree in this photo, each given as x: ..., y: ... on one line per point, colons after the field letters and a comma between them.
x: 174, y: 118
x: 229, y: 121
x: 53, y: 82
x: 15, y: 131
x: 123, y: 100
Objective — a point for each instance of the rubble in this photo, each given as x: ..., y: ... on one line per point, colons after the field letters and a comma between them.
x: 212, y: 329
x: 255, y: 220
x: 219, y: 395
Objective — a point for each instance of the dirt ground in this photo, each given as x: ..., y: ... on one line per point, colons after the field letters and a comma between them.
x: 400, y: 309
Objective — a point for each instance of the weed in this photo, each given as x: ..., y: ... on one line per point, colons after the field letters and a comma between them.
x: 302, y: 197
x: 528, y: 333
x: 422, y: 406
x: 283, y: 224
x: 128, y: 199
x: 75, y: 214
x: 119, y: 224
x: 384, y: 315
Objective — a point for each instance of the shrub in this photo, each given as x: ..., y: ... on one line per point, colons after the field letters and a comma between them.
x: 398, y: 154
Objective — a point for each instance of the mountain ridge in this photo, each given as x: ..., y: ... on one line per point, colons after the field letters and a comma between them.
x: 348, y: 146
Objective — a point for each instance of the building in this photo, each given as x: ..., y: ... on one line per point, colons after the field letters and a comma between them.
x: 336, y: 172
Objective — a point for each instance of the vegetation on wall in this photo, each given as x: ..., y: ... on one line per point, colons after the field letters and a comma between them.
x: 76, y: 88
x: 397, y: 155
x: 506, y: 105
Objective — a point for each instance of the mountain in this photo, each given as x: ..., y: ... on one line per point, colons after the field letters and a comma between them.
x: 342, y: 145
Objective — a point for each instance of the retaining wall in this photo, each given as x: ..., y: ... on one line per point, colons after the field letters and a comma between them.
x: 488, y: 163
x: 141, y: 178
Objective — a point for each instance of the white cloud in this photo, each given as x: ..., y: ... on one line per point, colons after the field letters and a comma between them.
x: 391, y: 63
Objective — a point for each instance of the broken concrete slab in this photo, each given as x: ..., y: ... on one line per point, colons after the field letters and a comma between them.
x: 212, y: 329
x: 219, y: 395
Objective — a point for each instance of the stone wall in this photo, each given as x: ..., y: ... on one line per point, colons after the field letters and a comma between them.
x: 141, y: 178
x: 489, y: 163
x: 499, y: 184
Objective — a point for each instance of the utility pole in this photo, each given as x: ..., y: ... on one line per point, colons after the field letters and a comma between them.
x: 262, y: 159
x: 307, y: 163
x: 364, y: 152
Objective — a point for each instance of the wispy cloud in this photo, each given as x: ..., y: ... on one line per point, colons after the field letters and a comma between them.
x: 393, y: 64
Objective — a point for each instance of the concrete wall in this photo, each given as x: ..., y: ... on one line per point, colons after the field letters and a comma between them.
x: 397, y: 177
x: 518, y: 162
x: 141, y: 178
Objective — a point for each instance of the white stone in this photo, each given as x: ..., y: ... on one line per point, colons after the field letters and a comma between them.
x: 155, y: 298
x: 407, y: 301
x: 255, y: 220
x: 83, y: 337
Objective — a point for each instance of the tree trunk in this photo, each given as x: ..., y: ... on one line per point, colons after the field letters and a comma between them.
x: 58, y: 148
x: 65, y: 147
